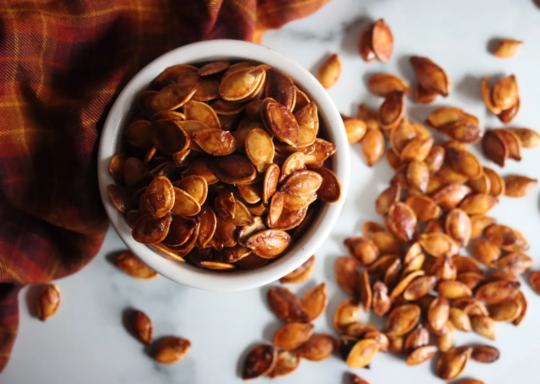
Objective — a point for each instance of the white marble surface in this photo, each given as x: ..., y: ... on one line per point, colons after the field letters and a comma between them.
x: 85, y: 343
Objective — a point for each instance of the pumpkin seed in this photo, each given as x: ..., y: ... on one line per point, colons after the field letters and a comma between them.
x: 330, y: 71
x: 281, y: 88
x: 315, y: 302
x: 511, y: 141
x: 505, y: 92
x: 478, y: 204
x: 496, y: 291
x: 372, y: 146
x: 519, y: 186
x: 494, y: 147
x: 292, y: 335
x: 453, y: 289
x: 402, y: 319
x: 508, y: 311
x: 260, y: 361
x: 460, y: 319
x: 484, y: 354
x: 420, y: 287
x: 431, y: 76
x: 381, y: 301
x: 484, y: 326
x: 450, y: 196
x: 506, y: 238
x: 318, y: 347
x: 402, y: 221
x: 452, y: 362
x: 506, y: 48
x: 382, y: 41
x: 286, y: 305
x: 362, y: 353
x: 171, y: 349
x: 287, y: 362
x: 300, y: 274
x: 421, y: 354
x: 49, y: 301
x: 515, y: 262
x: 528, y: 137
x: 445, y: 340
x: 384, y: 84
x: 348, y: 312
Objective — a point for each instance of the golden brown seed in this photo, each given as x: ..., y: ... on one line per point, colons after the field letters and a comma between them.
x: 286, y: 305
x: 496, y: 291
x: 507, y: 311
x: 416, y: 339
x: 534, y: 280
x: 347, y: 312
x: 387, y: 197
x: 330, y: 189
x: 381, y: 301
x: 478, y: 204
x: 300, y: 274
x: 420, y: 287
x: 393, y: 160
x: 485, y: 354
x: 481, y: 185
x: 506, y: 238
x: 519, y: 186
x: 424, y: 208
x: 445, y: 340
x: 292, y: 335
x: 445, y: 115
x: 171, y: 349
x: 511, y: 142
x: 215, y: 141
x: 308, y: 122
x: 470, y: 279
x: 386, y: 243
x: 452, y: 362
x: 431, y: 76
x: 279, y: 121
x: 515, y: 263
x: 505, y: 92
x: 346, y: 273
x: 360, y: 329
x: 259, y: 149
x: 391, y: 111
x: 402, y: 221
x: 506, y: 48
x: 357, y: 380
x: 438, y: 311
x: 362, y: 353
x: 119, y: 197
x: 269, y: 243
x: 418, y: 175
x: 356, y: 129
x: 438, y: 244
x: 458, y: 226
x: 453, y: 289
x: 364, y: 45
x: 317, y: 348
x: 260, y: 361
x: 402, y: 319
x: 363, y: 250
x: 372, y: 146
x: 404, y: 283
x: 366, y: 294
x: 395, y: 344
x: 486, y: 95
x: 281, y: 88
x: 424, y: 97
x: 460, y: 319
x: 130, y: 264
x: 421, y: 354
x: 48, y: 302
x: 330, y: 71
x: 383, y: 84
x: 484, y: 326
x: 528, y: 137
x: 382, y: 41
x: 465, y: 163
x: 478, y: 224
x: 419, y: 150
x: 403, y: 135
x: 444, y: 268
x: 142, y: 327
x: 241, y: 83
x: 494, y: 147
x: 172, y: 97
x: 315, y: 302
x: 392, y: 274
x: 450, y: 196
x: 287, y: 362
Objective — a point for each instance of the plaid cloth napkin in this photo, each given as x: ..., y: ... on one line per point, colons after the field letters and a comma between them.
x: 61, y: 65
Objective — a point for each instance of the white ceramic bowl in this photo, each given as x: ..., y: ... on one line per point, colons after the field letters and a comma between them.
x: 309, y: 242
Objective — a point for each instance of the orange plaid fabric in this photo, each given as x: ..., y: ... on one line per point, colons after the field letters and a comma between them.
x: 61, y: 65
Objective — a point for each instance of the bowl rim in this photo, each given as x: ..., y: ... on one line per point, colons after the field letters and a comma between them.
x: 309, y: 242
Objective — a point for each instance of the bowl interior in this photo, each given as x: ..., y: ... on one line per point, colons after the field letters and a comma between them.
x: 327, y: 215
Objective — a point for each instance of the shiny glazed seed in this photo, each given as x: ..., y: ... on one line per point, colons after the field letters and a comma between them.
x: 48, y: 301
x: 286, y: 305
x: 260, y: 361
x: 171, y: 349
x: 292, y: 335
